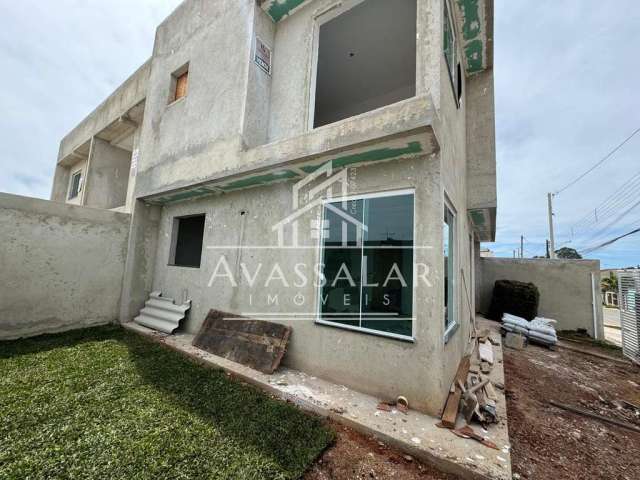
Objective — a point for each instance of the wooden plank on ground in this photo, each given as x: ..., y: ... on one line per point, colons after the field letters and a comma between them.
x: 255, y: 343
x: 450, y: 412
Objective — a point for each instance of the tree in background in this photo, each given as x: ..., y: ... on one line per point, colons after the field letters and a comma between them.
x: 609, y: 284
x: 570, y: 253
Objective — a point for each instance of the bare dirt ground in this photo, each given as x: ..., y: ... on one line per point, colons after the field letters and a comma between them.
x: 551, y: 443
x: 355, y: 456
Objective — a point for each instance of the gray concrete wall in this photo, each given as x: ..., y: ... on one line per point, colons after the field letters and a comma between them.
x: 62, y: 266
x: 381, y: 366
x: 565, y: 288
x: 107, y: 177
x: 127, y: 95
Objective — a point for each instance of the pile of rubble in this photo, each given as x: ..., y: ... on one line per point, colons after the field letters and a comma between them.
x: 472, y: 392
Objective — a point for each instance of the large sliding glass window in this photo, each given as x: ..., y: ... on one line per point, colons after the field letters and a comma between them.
x: 367, y: 249
x: 448, y: 231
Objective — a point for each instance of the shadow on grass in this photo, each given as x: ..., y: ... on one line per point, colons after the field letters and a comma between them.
x: 240, y: 413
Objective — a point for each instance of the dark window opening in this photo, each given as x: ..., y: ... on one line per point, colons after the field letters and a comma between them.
x: 76, y: 185
x: 188, y: 233
x: 366, y: 59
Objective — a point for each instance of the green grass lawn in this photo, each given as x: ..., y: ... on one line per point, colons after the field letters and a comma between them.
x: 105, y: 403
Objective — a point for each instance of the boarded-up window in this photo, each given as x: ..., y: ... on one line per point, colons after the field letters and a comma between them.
x: 182, y: 83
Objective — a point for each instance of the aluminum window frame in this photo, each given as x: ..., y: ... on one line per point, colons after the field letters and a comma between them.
x: 77, y: 173
x: 452, y: 326
x: 319, y: 320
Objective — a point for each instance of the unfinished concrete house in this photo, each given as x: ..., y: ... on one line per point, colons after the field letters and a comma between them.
x: 328, y: 165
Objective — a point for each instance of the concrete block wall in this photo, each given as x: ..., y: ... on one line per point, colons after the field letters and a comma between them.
x: 566, y: 288
x: 61, y: 266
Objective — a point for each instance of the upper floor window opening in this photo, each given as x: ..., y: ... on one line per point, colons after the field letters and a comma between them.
x: 365, y: 58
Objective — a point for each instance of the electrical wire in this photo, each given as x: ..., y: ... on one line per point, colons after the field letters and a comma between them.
x: 613, y: 222
x: 609, y: 242
x: 600, y: 162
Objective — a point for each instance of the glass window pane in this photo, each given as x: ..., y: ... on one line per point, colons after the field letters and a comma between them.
x: 387, y: 295
x: 342, y: 244
x: 449, y: 262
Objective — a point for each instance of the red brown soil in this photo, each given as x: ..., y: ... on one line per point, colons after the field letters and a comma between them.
x: 551, y: 443
x: 354, y: 456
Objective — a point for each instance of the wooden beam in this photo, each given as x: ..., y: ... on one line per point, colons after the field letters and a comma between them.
x: 450, y: 412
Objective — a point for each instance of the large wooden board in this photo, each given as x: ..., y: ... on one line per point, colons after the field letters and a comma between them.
x: 450, y: 412
x: 255, y: 343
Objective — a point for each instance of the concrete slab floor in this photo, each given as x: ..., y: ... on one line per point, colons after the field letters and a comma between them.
x: 414, y: 433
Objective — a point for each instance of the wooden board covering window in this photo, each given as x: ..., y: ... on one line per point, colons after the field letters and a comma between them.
x: 181, y: 86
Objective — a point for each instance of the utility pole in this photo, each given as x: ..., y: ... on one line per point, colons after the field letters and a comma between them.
x: 552, y: 243
x: 521, y: 246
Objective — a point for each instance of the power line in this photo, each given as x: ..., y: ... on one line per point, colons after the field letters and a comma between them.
x: 624, y: 195
x: 613, y: 222
x: 609, y: 242
x: 600, y: 162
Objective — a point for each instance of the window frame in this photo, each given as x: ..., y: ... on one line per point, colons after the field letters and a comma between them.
x: 175, y: 229
x: 450, y: 327
x: 455, y: 61
x: 173, y: 87
x: 73, y: 176
x: 319, y: 320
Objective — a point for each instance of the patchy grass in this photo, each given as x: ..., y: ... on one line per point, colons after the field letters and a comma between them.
x: 104, y: 403
x: 584, y: 338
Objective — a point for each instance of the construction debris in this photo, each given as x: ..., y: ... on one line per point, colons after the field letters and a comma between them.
x: 468, y: 432
x: 539, y: 330
x: 472, y: 393
x: 255, y: 343
x: 515, y: 341
x: 595, y: 416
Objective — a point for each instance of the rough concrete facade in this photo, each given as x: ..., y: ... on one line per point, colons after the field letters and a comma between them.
x: 566, y: 289
x: 234, y: 147
x: 62, y: 266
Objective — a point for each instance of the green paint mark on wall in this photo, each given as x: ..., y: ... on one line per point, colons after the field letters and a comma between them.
x: 412, y: 148
x: 471, y: 27
x: 259, y: 180
x: 473, y: 52
x: 278, y: 9
x: 477, y: 217
x: 472, y: 32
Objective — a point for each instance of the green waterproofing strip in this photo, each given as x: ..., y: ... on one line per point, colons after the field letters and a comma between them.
x: 259, y: 180
x: 472, y: 33
x: 477, y: 217
x: 412, y: 148
x: 278, y: 9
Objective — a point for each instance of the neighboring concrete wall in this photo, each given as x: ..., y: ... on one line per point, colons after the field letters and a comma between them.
x: 565, y: 287
x: 107, y: 176
x: 61, y: 266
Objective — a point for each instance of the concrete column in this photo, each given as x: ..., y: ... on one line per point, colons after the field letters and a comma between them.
x: 139, y: 268
x: 107, y: 175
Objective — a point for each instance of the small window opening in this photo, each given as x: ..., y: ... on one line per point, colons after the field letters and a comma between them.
x: 186, y: 244
x: 366, y: 59
x: 179, y: 83
x: 76, y: 185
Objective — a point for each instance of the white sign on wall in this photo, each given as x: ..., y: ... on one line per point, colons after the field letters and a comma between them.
x: 262, y: 56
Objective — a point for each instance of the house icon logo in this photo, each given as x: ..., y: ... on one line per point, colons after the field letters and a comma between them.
x: 308, y: 197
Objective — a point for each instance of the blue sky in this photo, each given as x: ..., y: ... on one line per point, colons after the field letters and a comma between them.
x: 566, y: 75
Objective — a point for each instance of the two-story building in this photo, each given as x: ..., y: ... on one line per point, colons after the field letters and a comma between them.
x: 321, y: 163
